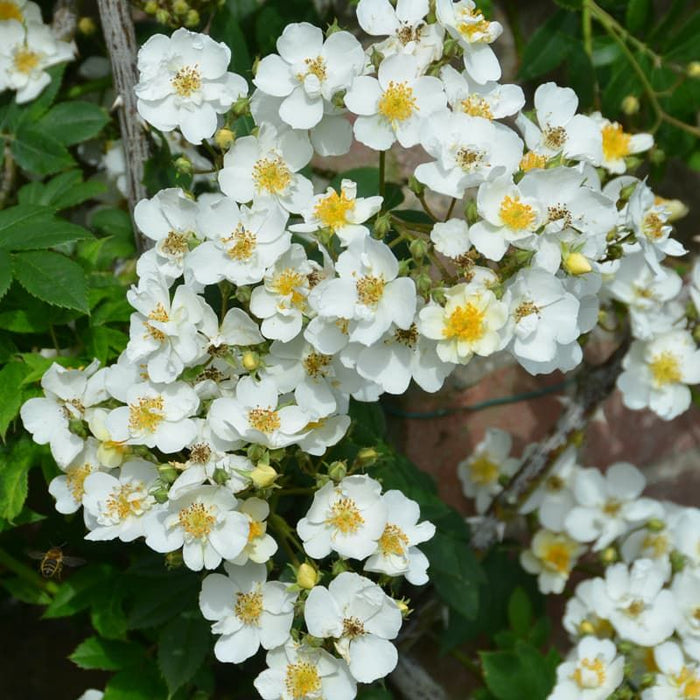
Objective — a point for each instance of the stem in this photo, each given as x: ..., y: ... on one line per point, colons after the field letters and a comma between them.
x: 463, y: 659
x: 26, y: 573
x: 8, y: 175
x: 426, y: 208
x: 382, y: 175
x: 450, y: 209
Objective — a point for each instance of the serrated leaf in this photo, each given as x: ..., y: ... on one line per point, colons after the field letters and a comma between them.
x: 37, y: 152
x: 182, y: 646
x: 22, y: 214
x: 549, y: 46
x: 5, y: 272
x: 72, y: 122
x: 638, y: 15
x: 53, y: 278
x: 106, y: 654
x: 42, y: 234
x: 11, y: 377
x: 143, y: 683
x: 63, y: 191
x: 76, y: 593
x: 15, y: 464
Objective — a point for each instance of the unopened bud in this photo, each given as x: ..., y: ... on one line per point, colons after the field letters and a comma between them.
x: 382, y: 225
x: 183, y: 165
x: 419, y: 249
x: 151, y: 7
x: 180, y: 7
x: 322, y: 480
x: 250, y: 361
x: 366, y: 457
x: 220, y: 476
x: 678, y: 561
x: 167, y: 473
x: 402, y: 605
x: 243, y: 294
x: 657, y: 156
x: 339, y: 566
x: 424, y: 284
x: 333, y: 28
x: 675, y: 208
x: 608, y: 555
x: 693, y: 69
x: 87, y: 26
x: 173, y: 560
x: 471, y: 212
x: 192, y: 18
x: 615, y: 251
x: 307, y: 576
x: 77, y: 427
x: 263, y: 475
x: 337, y: 470
x: 586, y: 627
x: 656, y: 525
x: 415, y: 186
x: 577, y: 264
x: 241, y: 106
x: 160, y: 495
x: 627, y: 191
x: 630, y: 105
x: 162, y: 16
x: 223, y: 138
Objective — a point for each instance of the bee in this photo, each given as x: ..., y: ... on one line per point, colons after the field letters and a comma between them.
x: 53, y: 561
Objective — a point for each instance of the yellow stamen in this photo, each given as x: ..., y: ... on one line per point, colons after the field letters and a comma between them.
x: 26, y: 60
x: 9, y: 10
x: 344, y: 515
x: 393, y: 541
x: 332, y: 210
x: 146, y: 414
x: 271, y: 175
x: 465, y: 323
x: 197, y: 520
x: 316, y: 364
x: 483, y: 471
x: 75, y: 480
x: 476, y: 106
x: 397, y: 103
x: 554, y: 137
x: 125, y: 500
x: 301, y: 680
x: 665, y: 369
x: 249, y: 607
x: 515, y: 215
x: 616, y: 143
x: 532, y: 160
x: 597, y: 668
x: 287, y: 284
x: 266, y: 420
x: 187, y: 81
x: 468, y: 158
x: 370, y: 289
x: 242, y: 243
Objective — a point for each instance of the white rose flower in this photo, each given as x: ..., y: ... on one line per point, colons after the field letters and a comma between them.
x: 676, y: 679
x: 69, y: 488
x: 21, y: 10
x: 260, y: 546
x: 248, y: 611
x: 184, y: 83
x: 69, y: 395
x: 686, y: 535
x: 642, y: 610
x: 347, y: 518
x: 618, y: 145
x: 301, y: 671
x: 657, y: 373
x: 119, y: 505
x: 552, y: 556
x: 588, y: 610
x: 205, y: 523
x: 265, y: 168
x: 451, y: 237
x: 393, y: 106
x: 686, y: 592
x: 361, y: 618
x: 594, y: 673
x: 309, y: 71
x: 608, y: 504
x: 397, y: 554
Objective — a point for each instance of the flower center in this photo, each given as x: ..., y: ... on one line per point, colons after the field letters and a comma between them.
x: 554, y: 137
x: 656, y: 545
x: 589, y: 674
x: 557, y: 555
x: 476, y: 106
x: 408, y: 337
x: 559, y: 212
x: 397, y: 103
x: 612, y: 507
x: 175, y: 244
x: 271, y: 175
x: 689, y: 683
x: 344, y: 515
x: 249, y: 607
x: 515, y: 215
x: 161, y: 315
x: 316, y: 66
x: 286, y: 284
x: 332, y: 210
x: 197, y: 520
x: 532, y: 160
x: 301, y: 680
x: 353, y: 627
x: 146, y: 414
x: 393, y: 541
x: 256, y: 529
x: 665, y: 369
x: 266, y: 420
x: 26, y: 60
x: 465, y: 323
x: 653, y: 226
x: 483, y: 471
x: 635, y: 608
x: 316, y: 364
x: 554, y: 483
x: 75, y: 479
x: 406, y: 34
x: 370, y: 289
x: 8, y: 10
x: 127, y: 499
x: 187, y: 81
x: 475, y: 29
x: 468, y: 158
x: 242, y: 243
x: 200, y: 453
x: 525, y: 309
x: 616, y: 143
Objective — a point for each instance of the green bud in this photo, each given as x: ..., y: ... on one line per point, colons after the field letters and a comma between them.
x: 415, y: 186
x: 626, y: 192
x: 471, y: 213
x: 307, y: 576
x: 657, y: 156
x: 250, y: 361
x: 382, y: 225
x: 693, y: 69
x: 419, y: 249
x: 630, y: 105
x: 173, y: 560
x: 322, y: 480
x: 192, y: 18
x: 615, y: 252
x: 696, y: 334
x: 337, y: 470
x: 656, y: 525
x: 404, y: 267
x: 609, y: 556
x: 333, y: 28
x: 678, y: 561
x: 180, y: 7
x: 424, y: 284
x: 243, y: 294
x: 87, y: 26
x: 241, y: 106
x: 339, y: 566
x: 78, y: 427
x: 366, y: 457
x: 438, y: 295
x: 220, y: 476
x: 151, y: 7
x: 168, y: 473
x: 223, y: 138
x: 183, y: 165
x: 162, y: 16
x: 160, y: 494
x: 257, y: 453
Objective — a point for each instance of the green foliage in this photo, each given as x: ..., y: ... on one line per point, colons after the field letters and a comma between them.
x: 106, y: 654
x: 182, y: 646
x: 549, y: 46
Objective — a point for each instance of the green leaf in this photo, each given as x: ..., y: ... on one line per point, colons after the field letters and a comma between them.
x: 105, y: 343
x: 638, y: 15
x: 182, y: 646
x: 22, y: 214
x: 72, y: 122
x: 5, y: 272
x: 11, y: 377
x: 63, y: 191
x: 107, y: 611
x: 549, y: 46
x: 520, y: 612
x: 142, y: 683
x: 77, y: 592
x: 37, y: 152
x: 106, y: 654
x: 15, y: 464
x: 161, y: 598
x: 521, y: 673
x: 27, y: 592
x: 570, y: 4
x: 53, y: 278
x: 42, y: 234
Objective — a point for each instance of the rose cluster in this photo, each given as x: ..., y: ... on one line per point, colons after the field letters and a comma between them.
x: 271, y: 299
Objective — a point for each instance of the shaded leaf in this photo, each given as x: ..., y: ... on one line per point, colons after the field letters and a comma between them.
x: 638, y: 15
x: 11, y: 377
x: 37, y: 152
x: 72, y: 122
x: 15, y: 464
x: 5, y: 272
x: 142, y: 683
x: 106, y: 654
x: 549, y: 46
x: 182, y: 646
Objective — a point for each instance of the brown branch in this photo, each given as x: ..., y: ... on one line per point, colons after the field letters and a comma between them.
x: 9, y: 172
x: 593, y: 386
x: 118, y: 29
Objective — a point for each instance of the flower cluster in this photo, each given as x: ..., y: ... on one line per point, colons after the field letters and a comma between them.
x: 269, y: 300
x: 635, y: 623
x: 27, y: 48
